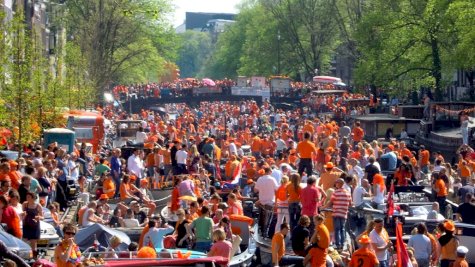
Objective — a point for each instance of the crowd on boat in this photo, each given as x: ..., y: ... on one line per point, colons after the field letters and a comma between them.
x: 305, y: 170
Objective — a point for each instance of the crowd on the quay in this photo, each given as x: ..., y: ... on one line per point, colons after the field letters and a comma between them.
x: 276, y: 151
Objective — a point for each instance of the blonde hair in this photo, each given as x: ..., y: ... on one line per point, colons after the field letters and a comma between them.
x: 219, y: 235
x: 285, y: 179
x: 115, y: 240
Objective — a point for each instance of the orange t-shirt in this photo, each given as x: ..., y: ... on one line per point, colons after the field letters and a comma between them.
x: 305, y: 149
x: 319, y: 254
x: 358, y: 134
x: 124, y: 188
x: 278, y: 240
x: 440, y: 184
x: 281, y: 193
x: 167, y: 158
x: 109, y: 185
x: 464, y: 171
x: 363, y: 257
x: 256, y: 145
x: 294, y: 195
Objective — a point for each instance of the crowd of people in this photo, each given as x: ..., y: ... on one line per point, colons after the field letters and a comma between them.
x: 215, y: 145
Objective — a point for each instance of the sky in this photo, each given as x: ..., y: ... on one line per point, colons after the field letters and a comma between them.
x: 182, y: 6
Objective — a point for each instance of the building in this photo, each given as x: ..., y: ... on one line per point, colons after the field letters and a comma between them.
x: 201, y: 21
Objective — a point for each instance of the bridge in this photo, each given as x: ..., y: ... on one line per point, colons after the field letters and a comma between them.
x: 194, y: 97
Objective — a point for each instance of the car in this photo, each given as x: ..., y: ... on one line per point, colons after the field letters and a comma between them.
x: 16, y: 245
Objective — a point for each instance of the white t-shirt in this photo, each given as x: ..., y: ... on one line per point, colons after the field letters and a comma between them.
x: 85, y: 216
x: 232, y: 149
x: 140, y: 137
x: 181, y: 157
x: 135, y: 166
x: 266, y: 185
x: 131, y: 223
x: 358, y: 195
x: 378, y: 196
x: 376, y: 239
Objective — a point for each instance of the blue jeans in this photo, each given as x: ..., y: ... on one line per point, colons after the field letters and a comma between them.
x: 384, y: 263
x: 339, y: 226
x: 294, y: 213
x: 203, y: 246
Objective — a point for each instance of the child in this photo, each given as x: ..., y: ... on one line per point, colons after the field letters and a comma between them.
x: 461, y: 261
x: 53, y: 208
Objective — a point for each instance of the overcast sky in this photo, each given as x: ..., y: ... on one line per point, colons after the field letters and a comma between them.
x: 217, y: 6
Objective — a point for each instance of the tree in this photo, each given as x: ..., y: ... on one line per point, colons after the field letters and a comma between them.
x: 111, y: 35
x: 309, y: 29
x: 405, y: 43
x: 195, y: 49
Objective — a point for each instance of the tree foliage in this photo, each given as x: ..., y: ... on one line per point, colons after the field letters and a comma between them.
x: 122, y: 40
x: 194, y: 51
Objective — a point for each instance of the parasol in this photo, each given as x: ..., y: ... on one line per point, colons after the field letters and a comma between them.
x: 209, y: 82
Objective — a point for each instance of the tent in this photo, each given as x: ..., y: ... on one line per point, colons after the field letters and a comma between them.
x: 327, y: 79
x: 85, y: 237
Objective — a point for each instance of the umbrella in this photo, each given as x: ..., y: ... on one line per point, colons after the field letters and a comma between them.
x: 209, y: 82
x: 85, y: 237
x: 188, y: 198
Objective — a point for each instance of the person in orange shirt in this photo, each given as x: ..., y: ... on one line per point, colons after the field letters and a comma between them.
x: 306, y: 150
x: 441, y: 190
x: 256, y: 146
x: 364, y: 256
x: 461, y: 261
x: 320, y: 244
x: 108, y: 186
x: 278, y: 249
x: 357, y: 133
x: 14, y: 174
x: 424, y: 156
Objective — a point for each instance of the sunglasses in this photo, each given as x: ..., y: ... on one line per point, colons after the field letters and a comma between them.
x: 70, y: 233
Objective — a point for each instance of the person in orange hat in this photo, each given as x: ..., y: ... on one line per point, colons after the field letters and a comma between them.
x: 364, y: 256
x: 448, y: 245
x: 329, y: 177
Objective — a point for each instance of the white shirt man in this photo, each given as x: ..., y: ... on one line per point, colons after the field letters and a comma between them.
x: 266, y: 186
x: 181, y: 156
x: 135, y: 165
x: 140, y: 137
x: 280, y: 144
x: 359, y: 193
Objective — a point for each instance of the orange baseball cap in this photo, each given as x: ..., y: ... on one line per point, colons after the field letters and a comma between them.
x: 364, y: 239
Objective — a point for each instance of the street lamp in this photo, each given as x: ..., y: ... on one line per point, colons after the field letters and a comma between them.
x: 278, y: 52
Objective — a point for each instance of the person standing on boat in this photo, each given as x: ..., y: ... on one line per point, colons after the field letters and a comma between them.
x: 318, y: 250
x: 311, y: 197
x: 282, y: 203
x: 203, y: 230
x: 441, y: 189
x: 266, y: 187
x: 340, y: 202
x: 364, y: 256
x: 448, y: 243
x: 116, y: 170
x: 422, y: 246
x: 301, y: 233
x: 464, y: 120
x: 278, y: 249
x: 293, y: 191
x: 380, y: 242
x: 306, y: 150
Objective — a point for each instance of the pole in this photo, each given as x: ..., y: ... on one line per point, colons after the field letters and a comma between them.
x: 278, y: 52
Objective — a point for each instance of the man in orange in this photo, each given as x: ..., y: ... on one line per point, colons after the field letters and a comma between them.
x: 329, y: 177
x: 364, y: 256
x: 109, y: 186
x: 320, y: 242
x: 357, y: 133
x: 441, y: 190
x: 278, y: 249
x: 306, y: 150
x: 424, y: 156
x: 256, y: 146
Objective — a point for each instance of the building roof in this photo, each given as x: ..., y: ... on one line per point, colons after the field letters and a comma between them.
x: 198, y: 20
